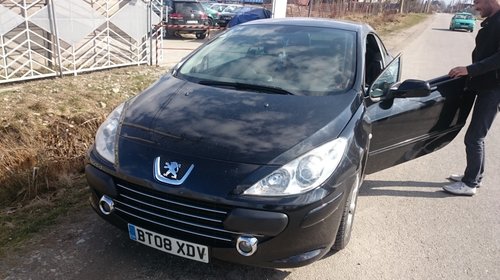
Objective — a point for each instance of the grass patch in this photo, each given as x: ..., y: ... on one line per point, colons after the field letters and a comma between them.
x: 386, y: 24
x: 22, y: 222
x: 47, y: 126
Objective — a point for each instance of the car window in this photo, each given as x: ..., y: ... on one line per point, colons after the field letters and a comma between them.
x: 389, y: 76
x: 374, y: 59
x: 218, y: 7
x: 187, y: 7
x: 302, y: 60
x: 463, y: 16
x: 232, y: 9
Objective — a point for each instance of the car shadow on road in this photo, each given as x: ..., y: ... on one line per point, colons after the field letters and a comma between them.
x: 448, y: 30
x: 127, y: 259
x: 442, y: 29
x: 403, y: 188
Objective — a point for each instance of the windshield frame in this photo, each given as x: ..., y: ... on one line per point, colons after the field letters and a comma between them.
x: 297, y: 86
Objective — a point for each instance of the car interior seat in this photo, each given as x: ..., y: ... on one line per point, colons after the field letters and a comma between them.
x: 374, y: 65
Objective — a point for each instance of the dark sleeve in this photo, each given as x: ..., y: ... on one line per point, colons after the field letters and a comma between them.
x: 488, y: 64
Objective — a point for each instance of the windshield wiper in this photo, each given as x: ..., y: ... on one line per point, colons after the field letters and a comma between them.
x: 260, y: 88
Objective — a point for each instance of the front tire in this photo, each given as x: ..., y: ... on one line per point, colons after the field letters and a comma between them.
x: 345, y: 228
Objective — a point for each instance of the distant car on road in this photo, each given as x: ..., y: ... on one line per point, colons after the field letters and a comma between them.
x: 463, y: 21
x: 254, y: 147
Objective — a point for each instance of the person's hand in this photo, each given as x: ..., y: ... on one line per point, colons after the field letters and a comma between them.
x: 458, y: 72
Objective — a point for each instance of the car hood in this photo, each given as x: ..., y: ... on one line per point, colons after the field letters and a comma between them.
x: 236, y: 126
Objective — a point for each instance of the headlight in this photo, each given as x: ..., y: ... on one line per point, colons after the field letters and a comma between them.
x: 302, y: 174
x: 105, y: 138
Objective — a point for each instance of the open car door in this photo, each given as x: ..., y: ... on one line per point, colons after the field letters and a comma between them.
x: 412, y: 118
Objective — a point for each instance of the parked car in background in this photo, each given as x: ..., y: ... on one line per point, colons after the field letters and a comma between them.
x: 228, y: 13
x: 186, y: 16
x: 219, y: 7
x: 213, y: 15
x: 256, y: 155
x: 253, y: 13
x: 463, y: 21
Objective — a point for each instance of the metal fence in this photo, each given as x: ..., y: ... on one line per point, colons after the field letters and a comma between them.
x: 46, y: 38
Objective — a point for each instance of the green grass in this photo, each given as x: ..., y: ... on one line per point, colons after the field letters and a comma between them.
x: 403, y: 22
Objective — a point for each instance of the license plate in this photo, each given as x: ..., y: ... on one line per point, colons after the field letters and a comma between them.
x: 192, y: 22
x: 168, y: 244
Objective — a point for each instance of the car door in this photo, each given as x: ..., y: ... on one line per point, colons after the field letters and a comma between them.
x: 412, y: 118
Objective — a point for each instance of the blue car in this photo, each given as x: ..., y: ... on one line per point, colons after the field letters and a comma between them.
x: 249, y: 14
x: 464, y: 21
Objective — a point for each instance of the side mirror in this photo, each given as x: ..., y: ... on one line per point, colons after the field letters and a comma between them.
x: 412, y: 88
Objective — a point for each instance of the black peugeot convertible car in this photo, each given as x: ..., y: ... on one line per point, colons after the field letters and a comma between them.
x: 253, y: 148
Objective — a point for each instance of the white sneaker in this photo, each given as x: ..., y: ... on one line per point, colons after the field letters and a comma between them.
x: 455, y: 177
x: 460, y: 188
x: 458, y: 178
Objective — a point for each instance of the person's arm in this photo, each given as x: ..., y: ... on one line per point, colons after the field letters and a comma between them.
x: 486, y: 65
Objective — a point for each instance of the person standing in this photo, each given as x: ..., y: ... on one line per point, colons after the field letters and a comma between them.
x: 484, y: 79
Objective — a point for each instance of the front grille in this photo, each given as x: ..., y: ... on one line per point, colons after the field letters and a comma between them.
x: 174, y: 216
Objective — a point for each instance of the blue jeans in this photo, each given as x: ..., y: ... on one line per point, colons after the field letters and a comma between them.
x: 485, y: 109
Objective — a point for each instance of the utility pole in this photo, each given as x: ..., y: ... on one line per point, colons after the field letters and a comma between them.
x: 401, y: 6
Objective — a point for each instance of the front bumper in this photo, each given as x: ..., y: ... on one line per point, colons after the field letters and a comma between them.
x: 183, y: 27
x: 464, y: 26
x: 288, y: 236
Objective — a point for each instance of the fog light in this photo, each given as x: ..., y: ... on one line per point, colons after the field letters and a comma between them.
x: 106, y: 205
x: 246, y: 245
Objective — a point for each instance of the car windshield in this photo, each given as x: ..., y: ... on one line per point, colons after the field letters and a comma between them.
x: 296, y: 59
x: 232, y: 9
x: 463, y: 16
x: 188, y: 7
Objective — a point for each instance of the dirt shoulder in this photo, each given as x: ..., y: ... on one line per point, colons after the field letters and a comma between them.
x: 395, y: 42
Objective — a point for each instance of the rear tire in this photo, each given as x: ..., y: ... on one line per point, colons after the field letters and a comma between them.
x: 345, y: 228
x: 201, y: 35
x: 169, y: 33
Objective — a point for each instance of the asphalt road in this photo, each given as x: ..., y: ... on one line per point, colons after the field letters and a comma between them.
x: 405, y: 226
